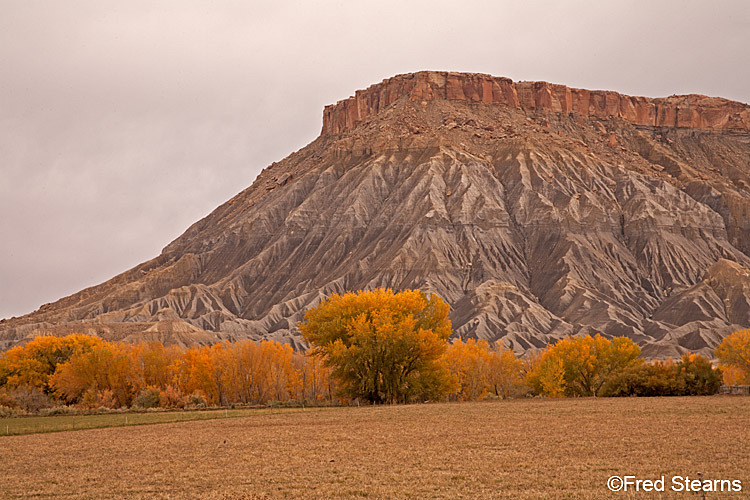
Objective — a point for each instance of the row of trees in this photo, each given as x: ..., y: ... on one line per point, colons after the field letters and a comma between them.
x: 374, y: 346
x: 91, y: 372
x: 392, y: 347
x: 596, y: 366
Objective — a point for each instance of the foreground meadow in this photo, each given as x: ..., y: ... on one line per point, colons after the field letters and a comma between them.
x: 519, y: 449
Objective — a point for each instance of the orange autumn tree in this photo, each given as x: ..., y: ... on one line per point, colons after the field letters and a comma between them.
x: 152, y: 361
x: 734, y: 354
x: 259, y: 372
x: 382, y: 346
x: 91, y: 372
x: 469, y: 363
x: 33, y: 364
x: 196, y: 372
x: 580, y: 366
x: 506, y: 377
x: 480, y: 370
x: 248, y: 372
x: 314, y: 383
x: 106, y: 367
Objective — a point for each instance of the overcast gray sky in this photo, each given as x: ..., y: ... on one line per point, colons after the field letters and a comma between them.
x: 121, y: 123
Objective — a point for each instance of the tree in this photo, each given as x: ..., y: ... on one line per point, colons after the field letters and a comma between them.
x: 506, y: 372
x: 469, y: 364
x: 382, y: 346
x: 88, y: 371
x: 32, y: 364
x: 692, y: 375
x: 152, y: 360
x: 581, y: 366
x: 108, y: 366
x: 547, y: 376
x: 313, y: 382
x: 700, y: 378
x: 734, y: 353
x: 194, y: 372
x: 479, y: 370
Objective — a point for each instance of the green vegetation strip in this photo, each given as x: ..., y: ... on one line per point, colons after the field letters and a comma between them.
x: 15, y: 426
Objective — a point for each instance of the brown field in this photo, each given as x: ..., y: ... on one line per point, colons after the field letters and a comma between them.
x: 57, y: 423
x: 524, y: 449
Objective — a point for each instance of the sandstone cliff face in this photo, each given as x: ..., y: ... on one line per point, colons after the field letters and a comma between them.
x: 690, y: 111
x: 535, y: 210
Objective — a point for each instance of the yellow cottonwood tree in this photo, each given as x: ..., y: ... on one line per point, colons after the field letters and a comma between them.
x: 470, y: 363
x: 580, y: 366
x: 734, y: 353
x: 505, y: 372
x: 382, y: 346
x: 108, y: 366
x: 33, y: 364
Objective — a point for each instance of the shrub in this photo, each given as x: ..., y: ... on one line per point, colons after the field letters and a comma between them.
x: 693, y: 375
x: 59, y: 410
x: 147, y: 398
x: 6, y: 411
x: 196, y: 400
x: 171, y: 397
x: 30, y: 398
x: 659, y: 378
x: 99, y: 399
x: 699, y: 377
x: 7, y: 400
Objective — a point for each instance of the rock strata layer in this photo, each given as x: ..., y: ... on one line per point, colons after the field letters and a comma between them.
x: 686, y: 111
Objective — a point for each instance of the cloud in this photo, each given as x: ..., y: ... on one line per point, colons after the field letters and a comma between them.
x: 121, y: 123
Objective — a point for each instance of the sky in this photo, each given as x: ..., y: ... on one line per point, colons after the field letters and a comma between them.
x: 122, y: 123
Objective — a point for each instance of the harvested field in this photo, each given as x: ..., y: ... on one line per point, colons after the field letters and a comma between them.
x: 525, y: 449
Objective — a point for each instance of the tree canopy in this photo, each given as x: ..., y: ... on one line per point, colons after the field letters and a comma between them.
x: 734, y: 353
x: 382, y: 346
x: 580, y: 366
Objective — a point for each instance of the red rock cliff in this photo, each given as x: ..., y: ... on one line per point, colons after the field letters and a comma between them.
x: 686, y: 111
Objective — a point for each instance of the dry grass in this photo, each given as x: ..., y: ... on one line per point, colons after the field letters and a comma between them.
x: 58, y: 423
x: 530, y: 449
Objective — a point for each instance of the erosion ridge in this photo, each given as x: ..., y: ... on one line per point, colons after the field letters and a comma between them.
x: 541, y: 213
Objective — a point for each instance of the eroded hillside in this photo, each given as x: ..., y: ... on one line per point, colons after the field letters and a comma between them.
x: 537, y: 211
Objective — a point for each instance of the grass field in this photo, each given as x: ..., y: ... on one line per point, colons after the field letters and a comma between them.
x: 523, y: 449
x: 57, y: 423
